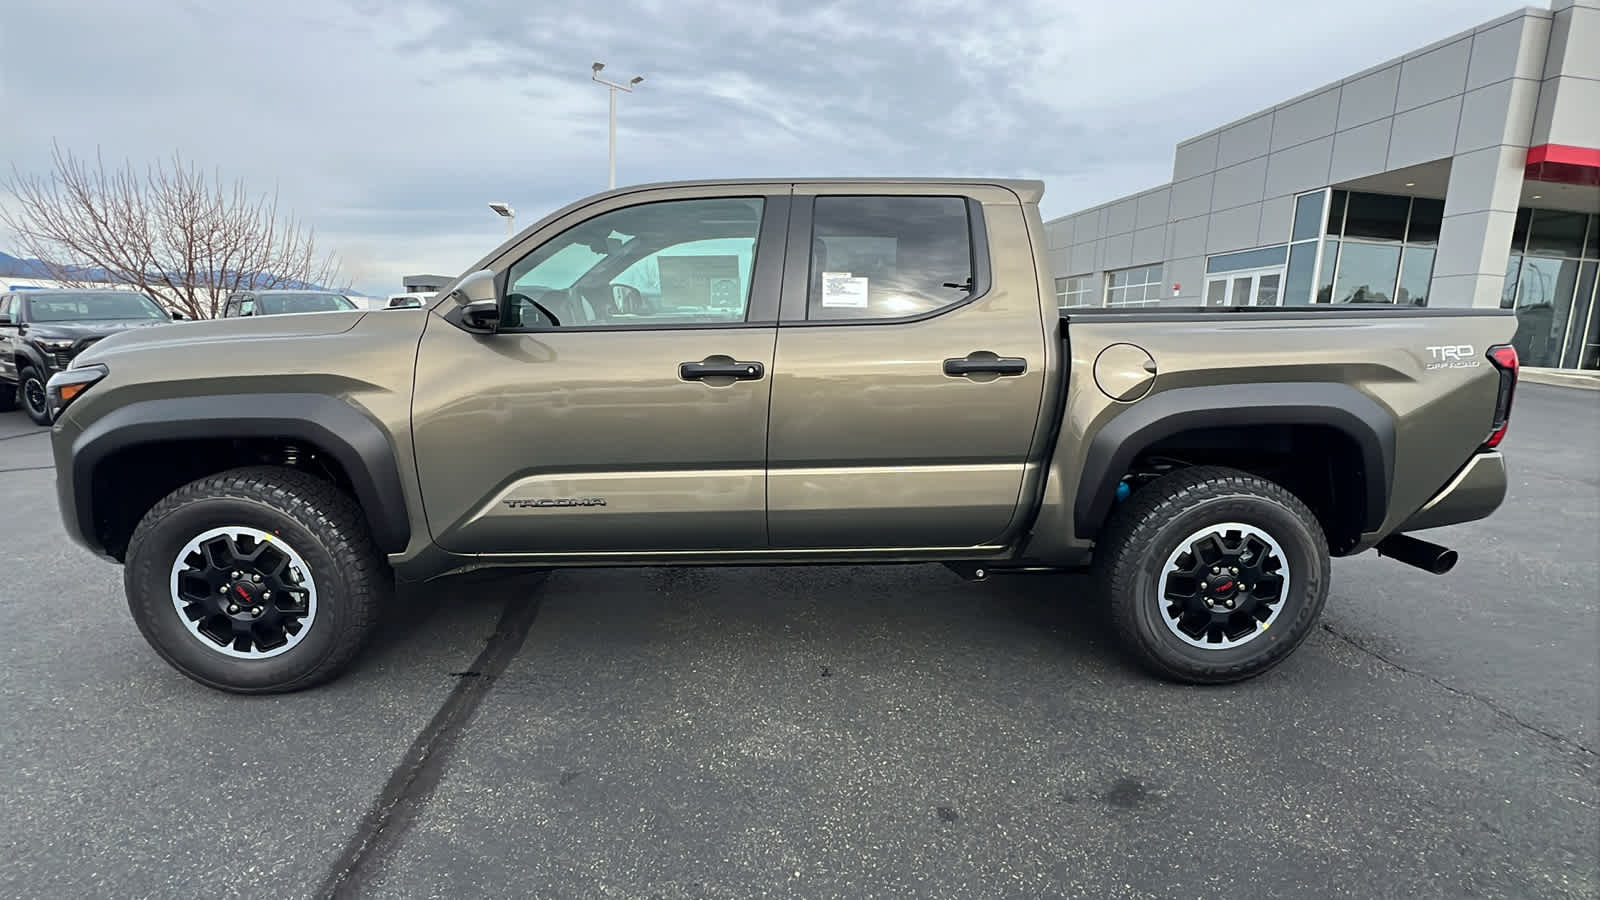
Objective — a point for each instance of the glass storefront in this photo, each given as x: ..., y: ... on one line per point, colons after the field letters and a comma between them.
x: 1551, y: 280
x: 1379, y: 248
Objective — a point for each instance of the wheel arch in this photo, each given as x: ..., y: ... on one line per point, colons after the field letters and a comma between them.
x: 361, y: 454
x: 1367, y: 429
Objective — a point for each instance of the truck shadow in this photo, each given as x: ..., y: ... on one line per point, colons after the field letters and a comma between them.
x: 832, y: 612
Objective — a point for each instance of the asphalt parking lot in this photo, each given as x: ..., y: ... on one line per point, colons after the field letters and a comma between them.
x: 828, y: 732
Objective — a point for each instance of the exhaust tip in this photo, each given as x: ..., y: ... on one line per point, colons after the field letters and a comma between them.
x: 1425, y: 555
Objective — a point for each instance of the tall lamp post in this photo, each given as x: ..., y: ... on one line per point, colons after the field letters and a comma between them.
x: 597, y: 67
x: 505, y: 209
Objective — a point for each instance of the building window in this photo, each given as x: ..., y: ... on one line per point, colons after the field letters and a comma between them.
x: 1378, y: 249
x: 1074, y: 291
x: 1551, y: 277
x: 1305, y: 233
x: 1139, y: 286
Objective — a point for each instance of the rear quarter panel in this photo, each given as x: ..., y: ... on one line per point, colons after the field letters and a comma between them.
x: 1441, y: 412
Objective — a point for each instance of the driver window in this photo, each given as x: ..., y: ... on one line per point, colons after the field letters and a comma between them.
x: 677, y: 262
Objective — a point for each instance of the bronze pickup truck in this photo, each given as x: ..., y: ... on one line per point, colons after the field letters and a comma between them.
x: 789, y: 372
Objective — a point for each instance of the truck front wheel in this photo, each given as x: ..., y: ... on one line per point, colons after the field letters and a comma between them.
x: 1214, y: 575
x: 255, y: 580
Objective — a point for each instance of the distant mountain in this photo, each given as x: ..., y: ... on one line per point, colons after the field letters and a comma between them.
x: 32, y: 268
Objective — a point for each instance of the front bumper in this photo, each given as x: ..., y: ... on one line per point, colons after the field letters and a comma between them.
x: 1476, y: 491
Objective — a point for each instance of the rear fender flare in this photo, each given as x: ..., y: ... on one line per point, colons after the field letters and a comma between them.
x: 351, y: 437
x: 1114, y: 447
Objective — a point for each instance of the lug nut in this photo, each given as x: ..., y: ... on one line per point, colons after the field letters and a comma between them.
x: 257, y: 578
x: 255, y: 611
x: 266, y: 595
x: 1215, y: 570
x: 235, y: 573
x: 223, y: 589
x: 1228, y: 602
x: 1233, y: 571
x: 233, y: 607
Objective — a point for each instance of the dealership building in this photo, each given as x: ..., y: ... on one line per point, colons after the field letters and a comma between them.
x: 1464, y: 174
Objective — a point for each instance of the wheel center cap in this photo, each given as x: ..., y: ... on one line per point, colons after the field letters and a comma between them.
x: 245, y: 594
x: 1222, y: 586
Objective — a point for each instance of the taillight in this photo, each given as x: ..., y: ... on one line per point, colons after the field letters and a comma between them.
x: 1504, y: 358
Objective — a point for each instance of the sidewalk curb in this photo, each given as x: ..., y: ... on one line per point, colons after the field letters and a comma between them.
x: 1587, y: 381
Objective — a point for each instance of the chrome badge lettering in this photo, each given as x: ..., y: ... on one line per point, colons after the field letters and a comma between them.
x: 1453, y: 356
x: 547, y: 502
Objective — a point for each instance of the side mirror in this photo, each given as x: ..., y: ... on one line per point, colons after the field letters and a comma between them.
x: 177, y: 316
x: 482, y: 316
x: 5, y: 319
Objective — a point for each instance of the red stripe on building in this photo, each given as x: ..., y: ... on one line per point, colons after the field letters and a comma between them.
x: 1563, y: 163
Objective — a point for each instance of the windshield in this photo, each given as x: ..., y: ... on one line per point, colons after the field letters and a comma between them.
x: 68, y: 306
x: 276, y: 304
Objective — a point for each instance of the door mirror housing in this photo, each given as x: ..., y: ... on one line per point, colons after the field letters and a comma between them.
x: 480, y: 316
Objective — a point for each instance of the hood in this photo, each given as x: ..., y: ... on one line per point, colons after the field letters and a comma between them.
x: 89, y: 328
x: 212, y: 331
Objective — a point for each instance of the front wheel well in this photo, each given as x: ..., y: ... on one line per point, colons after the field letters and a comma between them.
x: 129, y: 482
x: 1320, y: 464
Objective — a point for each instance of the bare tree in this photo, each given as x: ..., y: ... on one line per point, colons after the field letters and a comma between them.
x: 174, y: 232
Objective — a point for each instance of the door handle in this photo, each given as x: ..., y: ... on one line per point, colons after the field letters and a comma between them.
x: 743, y: 371
x: 986, y: 364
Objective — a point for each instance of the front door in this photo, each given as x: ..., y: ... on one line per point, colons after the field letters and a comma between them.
x: 909, y: 371
x: 623, y: 405
x: 8, y: 335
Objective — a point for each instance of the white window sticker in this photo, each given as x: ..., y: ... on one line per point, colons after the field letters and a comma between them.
x: 841, y: 289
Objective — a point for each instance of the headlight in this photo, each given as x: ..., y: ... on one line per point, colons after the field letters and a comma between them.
x: 52, y: 345
x: 65, y: 387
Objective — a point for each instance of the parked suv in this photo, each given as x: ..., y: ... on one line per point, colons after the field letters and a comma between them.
x: 274, y: 303
x: 42, y: 331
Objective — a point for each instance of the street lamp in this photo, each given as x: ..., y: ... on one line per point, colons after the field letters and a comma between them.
x: 505, y: 209
x: 597, y: 67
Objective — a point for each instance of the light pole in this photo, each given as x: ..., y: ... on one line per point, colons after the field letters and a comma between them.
x: 597, y: 67
x: 505, y: 209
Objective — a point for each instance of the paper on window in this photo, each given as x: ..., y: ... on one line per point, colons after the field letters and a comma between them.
x: 841, y: 289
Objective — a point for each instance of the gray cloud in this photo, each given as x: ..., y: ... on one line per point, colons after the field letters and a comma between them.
x: 389, y: 125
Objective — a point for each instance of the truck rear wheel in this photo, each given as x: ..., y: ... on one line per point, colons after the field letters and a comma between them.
x: 1214, y: 575
x: 255, y: 580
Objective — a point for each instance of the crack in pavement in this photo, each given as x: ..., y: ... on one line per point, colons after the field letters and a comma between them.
x: 1485, y: 701
x: 412, y: 783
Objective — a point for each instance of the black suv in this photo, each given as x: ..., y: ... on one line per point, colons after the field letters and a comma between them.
x: 42, y: 330
x: 276, y: 302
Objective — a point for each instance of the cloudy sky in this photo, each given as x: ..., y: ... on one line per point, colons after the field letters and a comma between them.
x: 390, y: 125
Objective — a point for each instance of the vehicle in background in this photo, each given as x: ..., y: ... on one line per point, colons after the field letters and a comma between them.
x: 407, y: 301
x: 776, y: 373
x: 284, y: 302
x: 42, y: 331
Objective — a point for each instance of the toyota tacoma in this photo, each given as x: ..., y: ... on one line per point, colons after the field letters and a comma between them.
x: 792, y: 372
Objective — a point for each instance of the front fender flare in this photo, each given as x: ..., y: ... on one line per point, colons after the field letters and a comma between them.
x: 1113, y: 449
x: 333, y: 425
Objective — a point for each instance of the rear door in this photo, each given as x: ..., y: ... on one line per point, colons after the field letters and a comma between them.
x: 909, y: 369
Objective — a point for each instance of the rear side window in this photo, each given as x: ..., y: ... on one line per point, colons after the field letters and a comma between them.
x: 5, y: 305
x: 888, y: 257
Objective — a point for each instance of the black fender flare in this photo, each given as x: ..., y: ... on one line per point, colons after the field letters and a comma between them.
x: 333, y: 425
x: 27, y: 355
x: 1113, y: 449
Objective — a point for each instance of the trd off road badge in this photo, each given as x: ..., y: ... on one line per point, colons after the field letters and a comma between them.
x: 1453, y: 356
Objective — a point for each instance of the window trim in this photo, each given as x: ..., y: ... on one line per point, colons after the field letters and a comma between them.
x: 766, y: 264
x: 797, y: 268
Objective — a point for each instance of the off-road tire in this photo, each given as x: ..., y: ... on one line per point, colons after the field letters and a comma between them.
x: 326, y: 528
x: 27, y: 377
x: 1149, y: 525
